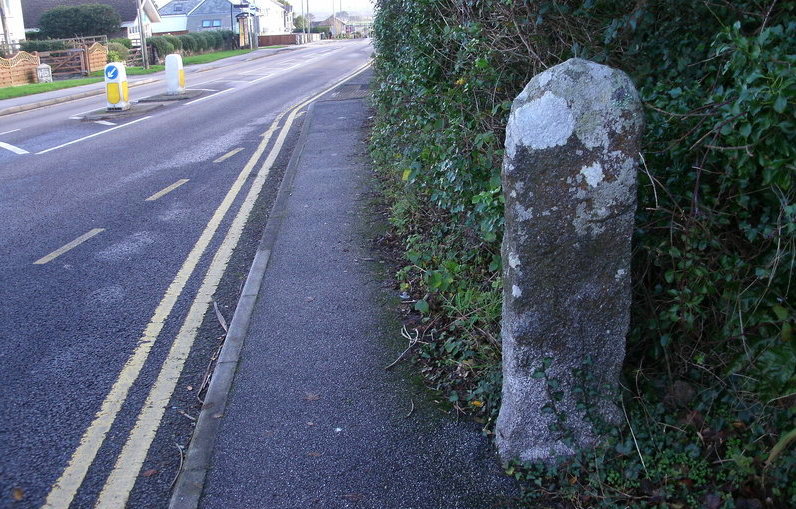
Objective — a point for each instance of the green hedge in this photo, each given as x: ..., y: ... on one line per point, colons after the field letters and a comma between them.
x: 174, y: 41
x: 43, y: 45
x: 161, y: 44
x: 715, y: 230
x: 188, y: 43
x: 124, y: 41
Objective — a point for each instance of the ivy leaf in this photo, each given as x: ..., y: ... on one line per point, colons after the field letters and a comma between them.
x: 422, y: 306
x: 780, y: 104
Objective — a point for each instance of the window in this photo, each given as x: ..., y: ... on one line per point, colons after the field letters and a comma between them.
x: 216, y: 22
x: 177, y: 7
x: 208, y: 23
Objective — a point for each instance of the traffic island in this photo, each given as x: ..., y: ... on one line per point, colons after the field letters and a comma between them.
x: 188, y: 94
x: 134, y: 110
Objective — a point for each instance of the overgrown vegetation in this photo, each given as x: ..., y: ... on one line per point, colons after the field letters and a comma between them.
x: 710, y: 375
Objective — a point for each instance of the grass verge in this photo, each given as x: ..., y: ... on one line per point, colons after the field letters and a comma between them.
x: 37, y: 88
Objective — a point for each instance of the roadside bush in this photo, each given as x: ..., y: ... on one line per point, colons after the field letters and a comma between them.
x: 208, y: 39
x: 215, y: 39
x: 188, y: 43
x: 199, y: 42
x: 80, y: 20
x: 174, y: 41
x: 229, y: 38
x: 117, y: 52
x: 44, y: 45
x: 124, y: 41
x: 161, y: 45
x: 715, y: 236
x: 35, y: 35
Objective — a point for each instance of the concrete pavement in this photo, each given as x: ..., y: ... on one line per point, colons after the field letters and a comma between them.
x: 313, y: 419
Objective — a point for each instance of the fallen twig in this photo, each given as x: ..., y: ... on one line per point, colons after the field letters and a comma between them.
x: 191, y: 417
x: 411, y: 411
x: 208, y: 373
x: 412, y: 342
x: 179, y: 469
x: 220, y: 317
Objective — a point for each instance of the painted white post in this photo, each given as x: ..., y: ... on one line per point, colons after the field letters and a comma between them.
x: 175, y: 75
x: 116, y: 89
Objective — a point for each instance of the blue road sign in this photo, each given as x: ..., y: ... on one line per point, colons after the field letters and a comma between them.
x: 111, y: 72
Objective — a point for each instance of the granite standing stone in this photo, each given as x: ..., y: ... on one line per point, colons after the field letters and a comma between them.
x: 569, y: 179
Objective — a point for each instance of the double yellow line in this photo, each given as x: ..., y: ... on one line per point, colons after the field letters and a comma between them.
x: 123, y: 476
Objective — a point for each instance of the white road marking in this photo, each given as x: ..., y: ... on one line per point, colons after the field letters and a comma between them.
x: 13, y: 149
x: 7, y: 132
x: 104, y: 122
x: 93, y: 135
x: 167, y: 190
x: 61, y: 250
x: 228, y: 155
x: 209, y: 96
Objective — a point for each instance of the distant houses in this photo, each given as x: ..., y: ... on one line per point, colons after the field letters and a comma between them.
x: 263, y: 17
x: 339, y: 26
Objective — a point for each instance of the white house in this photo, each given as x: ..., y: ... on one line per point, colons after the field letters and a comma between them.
x: 12, y: 12
x: 200, y: 15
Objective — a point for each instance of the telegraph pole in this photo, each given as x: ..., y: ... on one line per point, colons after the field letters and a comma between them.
x: 144, y: 52
x: 6, y: 35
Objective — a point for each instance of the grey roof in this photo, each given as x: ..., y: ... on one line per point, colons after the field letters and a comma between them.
x: 178, y: 7
x: 214, y: 7
x: 33, y: 9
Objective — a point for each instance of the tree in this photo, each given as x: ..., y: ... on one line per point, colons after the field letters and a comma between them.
x: 301, y: 22
x: 80, y: 21
x: 342, y: 14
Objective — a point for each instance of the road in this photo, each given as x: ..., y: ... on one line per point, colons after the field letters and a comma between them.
x: 116, y: 238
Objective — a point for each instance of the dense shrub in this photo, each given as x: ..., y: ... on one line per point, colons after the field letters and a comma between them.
x: 216, y: 41
x: 35, y: 35
x: 188, y: 43
x: 199, y: 42
x: 44, y: 45
x: 124, y: 41
x: 208, y: 39
x: 117, y: 52
x: 161, y: 45
x: 80, y: 20
x: 229, y: 37
x: 174, y: 41
x: 715, y: 229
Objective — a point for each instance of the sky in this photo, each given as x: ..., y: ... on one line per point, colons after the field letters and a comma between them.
x: 324, y: 7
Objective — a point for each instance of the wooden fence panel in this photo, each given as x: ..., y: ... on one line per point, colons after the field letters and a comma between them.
x: 19, y: 69
x: 96, y: 57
